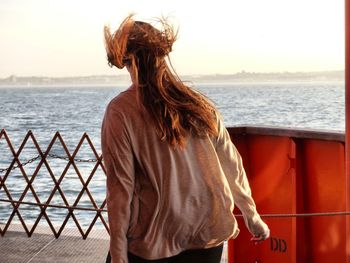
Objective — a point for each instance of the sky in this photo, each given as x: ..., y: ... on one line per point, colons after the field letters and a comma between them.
x: 65, y: 37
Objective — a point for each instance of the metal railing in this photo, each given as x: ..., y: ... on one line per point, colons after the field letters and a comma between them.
x: 71, y: 161
x: 42, y: 157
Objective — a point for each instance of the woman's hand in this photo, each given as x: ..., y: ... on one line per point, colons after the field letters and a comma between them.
x: 260, y: 238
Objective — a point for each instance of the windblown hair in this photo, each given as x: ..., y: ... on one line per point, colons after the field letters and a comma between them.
x: 176, y: 109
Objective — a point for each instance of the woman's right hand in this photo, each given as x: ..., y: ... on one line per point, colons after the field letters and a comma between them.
x: 260, y: 238
x: 259, y: 230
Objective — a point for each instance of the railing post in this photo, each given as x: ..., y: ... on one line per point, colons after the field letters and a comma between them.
x: 347, y: 122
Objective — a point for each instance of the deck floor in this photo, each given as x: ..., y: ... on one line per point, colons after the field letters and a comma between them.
x: 16, y: 247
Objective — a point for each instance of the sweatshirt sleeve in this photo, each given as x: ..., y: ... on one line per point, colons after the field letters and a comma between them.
x: 119, y: 163
x: 232, y: 165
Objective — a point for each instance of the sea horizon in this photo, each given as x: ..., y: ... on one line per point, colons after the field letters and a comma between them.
x: 191, y: 79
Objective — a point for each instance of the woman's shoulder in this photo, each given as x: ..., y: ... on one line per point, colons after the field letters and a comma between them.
x: 123, y: 102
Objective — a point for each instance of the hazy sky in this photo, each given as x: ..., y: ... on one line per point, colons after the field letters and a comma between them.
x: 65, y: 37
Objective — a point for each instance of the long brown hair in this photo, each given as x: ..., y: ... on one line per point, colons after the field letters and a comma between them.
x: 175, y: 108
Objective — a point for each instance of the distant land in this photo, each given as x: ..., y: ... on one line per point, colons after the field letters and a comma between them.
x: 242, y: 76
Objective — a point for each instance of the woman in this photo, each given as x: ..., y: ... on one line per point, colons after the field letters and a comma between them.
x: 173, y: 175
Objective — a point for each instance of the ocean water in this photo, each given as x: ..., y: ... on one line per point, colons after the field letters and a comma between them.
x: 73, y: 111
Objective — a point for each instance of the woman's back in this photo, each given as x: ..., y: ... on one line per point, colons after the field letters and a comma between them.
x: 181, y: 197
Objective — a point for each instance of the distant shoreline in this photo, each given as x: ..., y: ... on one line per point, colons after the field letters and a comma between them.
x: 240, y: 77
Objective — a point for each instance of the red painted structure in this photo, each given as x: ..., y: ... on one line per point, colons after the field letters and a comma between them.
x: 294, y: 172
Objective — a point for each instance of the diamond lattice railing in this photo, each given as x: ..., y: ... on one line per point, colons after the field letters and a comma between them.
x: 53, y: 183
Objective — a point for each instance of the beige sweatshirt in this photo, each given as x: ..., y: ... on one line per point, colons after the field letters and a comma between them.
x: 163, y: 200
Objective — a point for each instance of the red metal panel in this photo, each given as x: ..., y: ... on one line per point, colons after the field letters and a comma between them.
x: 269, y: 162
x: 321, y: 188
x: 289, y: 176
